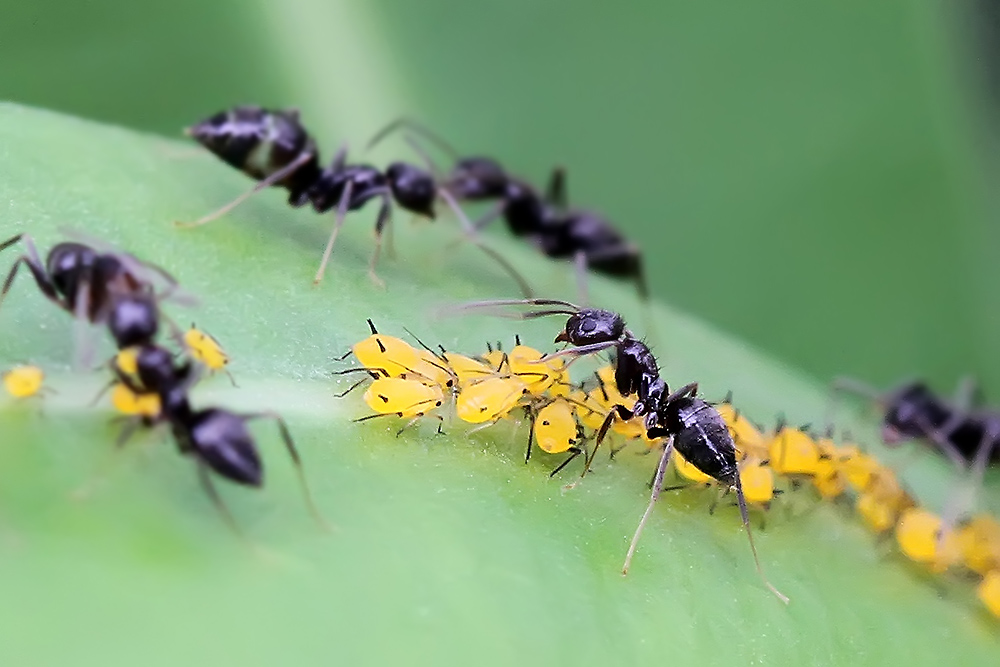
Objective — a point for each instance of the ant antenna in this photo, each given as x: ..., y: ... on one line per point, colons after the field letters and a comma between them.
x: 419, y: 128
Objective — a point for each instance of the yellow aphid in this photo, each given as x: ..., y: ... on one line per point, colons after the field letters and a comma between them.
x: 393, y: 355
x: 206, y: 349
x: 489, y: 400
x: 859, y: 468
x: 467, y: 369
x: 989, y: 592
x: 126, y: 362
x: 747, y: 437
x: 431, y: 369
x: 589, y: 409
x: 757, y: 481
x: 406, y: 398
x: 23, y: 381
x: 828, y: 480
x: 494, y: 359
x: 919, y: 538
x: 979, y: 543
x: 128, y: 402
x: 792, y: 452
x: 688, y: 471
x: 883, y: 501
x: 555, y: 427
x: 540, y: 376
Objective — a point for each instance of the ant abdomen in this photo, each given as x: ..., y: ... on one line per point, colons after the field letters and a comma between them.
x: 260, y: 143
x: 222, y: 442
x: 702, y: 438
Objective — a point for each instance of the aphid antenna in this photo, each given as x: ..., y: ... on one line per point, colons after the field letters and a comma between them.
x: 421, y: 343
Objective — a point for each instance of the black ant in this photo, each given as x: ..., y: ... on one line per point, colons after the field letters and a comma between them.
x: 687, y: 422
x: 111, y: 288
x: 273, y: 147
x: 218, y: 439
x: 587, y: 238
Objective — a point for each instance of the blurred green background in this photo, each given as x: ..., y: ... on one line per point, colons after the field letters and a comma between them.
x: 813, y: 179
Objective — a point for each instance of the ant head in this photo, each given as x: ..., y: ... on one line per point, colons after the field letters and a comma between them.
x: 592, y: 325
x: 66, y: 264
x: 413, y: 188
x: 477, y: 178
x: 909, y: 410
x: 221, y: 440
x: 134, y: 320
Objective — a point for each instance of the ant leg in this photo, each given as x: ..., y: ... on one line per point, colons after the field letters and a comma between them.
x: 293, y: 453
x: 470, y: 232
x: 384, y: 218
x: 84, y: 341
x: 661, y: 470
x: 746, y: 526
x: 87, y: 489
x: 576, y: 451
x: 966, y: 394
x: 404, y: 122
x: 274, y: 178
x: 37, y: 268
x: 580, y: 266
x: 555, y: 192
x: 428, y: 162
x: 205, y: 477
x: 688, y: 390
x: 341, y: 214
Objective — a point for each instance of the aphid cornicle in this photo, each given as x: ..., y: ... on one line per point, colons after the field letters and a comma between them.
x: 274, y: 148
x: 684, y: 421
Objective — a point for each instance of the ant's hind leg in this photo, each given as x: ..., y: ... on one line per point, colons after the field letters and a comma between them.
x: 338, y: 222
x: 276, y: 177
x: 555, y: 193
x: 293, y: 453
x: 35, y: 265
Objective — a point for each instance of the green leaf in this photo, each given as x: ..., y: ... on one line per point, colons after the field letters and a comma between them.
x: 448, y: 548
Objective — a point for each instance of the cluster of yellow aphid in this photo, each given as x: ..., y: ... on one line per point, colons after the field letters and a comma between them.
x: 414, y: 382
x: 25, y: 381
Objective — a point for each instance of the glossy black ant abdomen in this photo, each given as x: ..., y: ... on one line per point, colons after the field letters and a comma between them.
x: 413, y: 188
x: 270, y: 146
x: 221, y: 440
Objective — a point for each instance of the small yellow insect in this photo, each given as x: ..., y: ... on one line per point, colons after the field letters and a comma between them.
x: 829, y: 481
x: 918, y: 533
x: 540, y: 376
x: 979, y: 542
x: 23, y: 381
x: 859, y: 468
x: 467, y: 369
x: 555, y: 427
x: 989, y: 592
x: 882, y: 502
x: 688, y: 471
x: 403, y: 397
x: 126, y: 361
x: 130, y: 403
x: 386, y: 353
x: 749, y: 441
x: 206, y: 349
x: 757, y: 481
x: 489, y: 400
x: 793, y: 452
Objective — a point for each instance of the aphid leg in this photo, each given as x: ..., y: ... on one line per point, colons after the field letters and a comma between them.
x: 35, y: 265
x: 746, y: 526
x: 531, y: 435
x: 472, y: 235
x: 580, y: 267
x: 276, y: 177
x: 384, y: 218
x: 661, y: 470
x: 351, y: 388
x: 574, y: 452
x: 555, y: 192
x: 340, y: 215
x: 293, y: 453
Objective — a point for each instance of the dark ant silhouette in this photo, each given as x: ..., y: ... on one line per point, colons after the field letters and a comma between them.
x: 217, y: 439
x: 273, y: 147
x: 112, y: 288
x: 687, y: 422
x: 585, y: 237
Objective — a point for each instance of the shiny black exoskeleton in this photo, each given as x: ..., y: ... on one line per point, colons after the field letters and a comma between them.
x: 589, y: 239
x: 218, y: 439
x: 102, y: 287
x: 692, y: 426
x: 274, y: 148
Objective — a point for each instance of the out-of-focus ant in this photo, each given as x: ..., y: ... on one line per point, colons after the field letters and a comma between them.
x: 273, y: 147
x: 585, y: 237
x: 217, y: 439
x: 689, y: 424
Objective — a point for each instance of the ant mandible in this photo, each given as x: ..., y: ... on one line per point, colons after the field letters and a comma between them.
x: 689, y: 424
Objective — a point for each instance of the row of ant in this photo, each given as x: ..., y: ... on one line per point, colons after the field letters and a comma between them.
x: 274, y: 148
x: 117, y: 291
